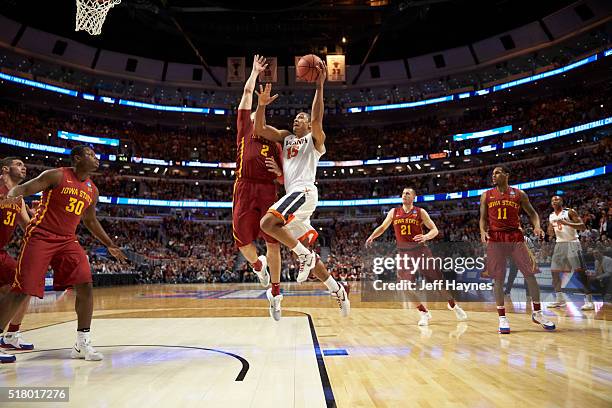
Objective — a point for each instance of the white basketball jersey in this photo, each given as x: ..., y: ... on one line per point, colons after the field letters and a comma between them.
x: 564, y: 233
x: 300, y: 160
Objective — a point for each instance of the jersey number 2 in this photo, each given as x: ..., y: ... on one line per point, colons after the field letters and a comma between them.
x: 264, y: 150
x: 75, y: 206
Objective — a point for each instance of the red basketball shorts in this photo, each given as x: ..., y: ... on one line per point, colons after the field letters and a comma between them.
x: 250, y: 203
x: 419, y: 260
x: 43, y: 249
x: 8, y: 266
x: 508, y: 244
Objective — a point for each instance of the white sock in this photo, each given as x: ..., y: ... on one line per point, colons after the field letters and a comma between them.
x: 300, y: 249
x: 331, y: 284
x: 589, y: 298
x: 83, y: 337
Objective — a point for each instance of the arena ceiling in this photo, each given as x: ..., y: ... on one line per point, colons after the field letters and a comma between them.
x: 218, y: 29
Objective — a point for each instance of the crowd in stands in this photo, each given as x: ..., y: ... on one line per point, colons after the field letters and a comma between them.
x: 419, y: 136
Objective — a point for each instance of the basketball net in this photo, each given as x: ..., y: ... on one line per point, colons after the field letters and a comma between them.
x: 91, y: 14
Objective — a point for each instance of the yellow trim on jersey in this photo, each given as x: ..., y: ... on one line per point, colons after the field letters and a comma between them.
x: 240, y: 155
x: 42, y: 210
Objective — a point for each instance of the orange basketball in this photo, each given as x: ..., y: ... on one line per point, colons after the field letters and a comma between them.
x: 306, y: 68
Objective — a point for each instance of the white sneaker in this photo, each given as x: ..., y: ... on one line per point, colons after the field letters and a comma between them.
x: 538, y: 318
x: 13, y: 341
x: 459, y: 312
x: 263, y: 274
x: 275, y: 305
x: 425, y: 317
x: 557, y: 303
x: 504, y: 325
x: 341, y: 296
x: 588, y: 306
x: 6, y: 358
x: 85, y: 351
x: 307, y: 263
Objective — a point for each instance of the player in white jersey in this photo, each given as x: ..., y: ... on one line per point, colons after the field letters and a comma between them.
x: 564, y: 224
x: 288, y: 220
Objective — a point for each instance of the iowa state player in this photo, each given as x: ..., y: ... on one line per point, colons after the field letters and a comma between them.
x: 254, y: 189
x: 500, y: 229
x: 68, y: 196
x: 13, y: 212
x: 408, y: 221
x: 564, y: 224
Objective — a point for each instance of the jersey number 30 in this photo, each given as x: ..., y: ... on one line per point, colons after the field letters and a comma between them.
x: 75, y: 206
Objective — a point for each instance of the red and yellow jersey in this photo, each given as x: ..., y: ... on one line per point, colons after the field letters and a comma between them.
x: 253, y: 151
x: 407, y: 225
x: 61, y: 208
x: 10, y: 214
x: 503, y: 209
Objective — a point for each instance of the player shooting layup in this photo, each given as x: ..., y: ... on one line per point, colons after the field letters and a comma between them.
x: 288, y: 220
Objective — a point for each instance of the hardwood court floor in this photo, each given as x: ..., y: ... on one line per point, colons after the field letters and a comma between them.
x: 389, y: 361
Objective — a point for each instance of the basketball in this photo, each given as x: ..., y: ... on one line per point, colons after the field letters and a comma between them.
x: 307, y: 68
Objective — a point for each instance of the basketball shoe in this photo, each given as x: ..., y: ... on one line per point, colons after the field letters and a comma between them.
x: 83, y: 349
x: 425, y: 318
x: 275, y: 305
x: 13, y: 340
x: 263, y: 274
x: 538, y: 318
x: 307, y: 263
x: 561, y: 301
x: 6, y: 358
x: 341, y: 296
x: 588, y: 303
x: 459, y: 312
x: 504, y: 325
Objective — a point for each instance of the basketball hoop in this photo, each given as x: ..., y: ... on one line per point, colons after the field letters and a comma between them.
x: 91, y: 14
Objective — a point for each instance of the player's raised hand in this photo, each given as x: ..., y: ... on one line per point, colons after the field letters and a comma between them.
x: 117, y: 253
x: 264, y: 95
x: 259, y: 63
x: 273, y: 167
x: 322, y: 69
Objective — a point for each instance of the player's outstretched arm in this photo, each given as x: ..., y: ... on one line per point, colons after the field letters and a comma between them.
x: 484, y: 235
x: 532, y: 214
x: 433, y: 229
x: 45, y: 180
x: 316, y: 120
x: 93, y: 225
x: 261, y: 128
x: 259, y: 65
x: 381, y: 228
